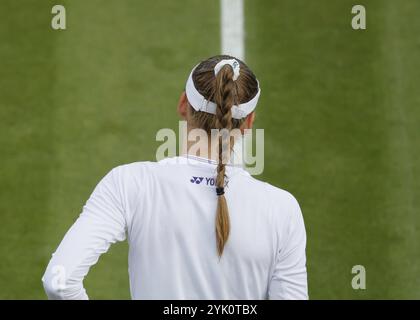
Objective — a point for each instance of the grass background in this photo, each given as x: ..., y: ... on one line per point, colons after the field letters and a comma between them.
x: 340, y: 109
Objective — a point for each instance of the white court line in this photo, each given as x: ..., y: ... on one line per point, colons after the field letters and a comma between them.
x: 232, y: 39
x: 232, y: 28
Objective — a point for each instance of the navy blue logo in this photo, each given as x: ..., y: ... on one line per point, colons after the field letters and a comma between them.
x: 196, y: 180
x: 208, y: 181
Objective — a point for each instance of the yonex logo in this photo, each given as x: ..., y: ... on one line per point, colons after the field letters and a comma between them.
x: 196, y: 180
x: 208, y: 181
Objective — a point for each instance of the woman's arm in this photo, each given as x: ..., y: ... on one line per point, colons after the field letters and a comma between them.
x: 101, y: 223
x: 289, y: 280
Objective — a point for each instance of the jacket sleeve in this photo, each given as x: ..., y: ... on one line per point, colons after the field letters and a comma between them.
x: 289, y: 279
x: 101, y: 223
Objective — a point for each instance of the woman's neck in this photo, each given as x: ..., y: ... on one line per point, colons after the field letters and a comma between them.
x: 202, y: 146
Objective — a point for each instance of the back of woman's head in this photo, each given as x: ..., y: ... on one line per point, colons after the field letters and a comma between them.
x: 228, y: 83
x: 223, y: 90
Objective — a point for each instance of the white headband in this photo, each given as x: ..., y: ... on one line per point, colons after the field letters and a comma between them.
x: 199, y: 103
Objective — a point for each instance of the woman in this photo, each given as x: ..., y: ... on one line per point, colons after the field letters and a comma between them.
x: 237, y: 238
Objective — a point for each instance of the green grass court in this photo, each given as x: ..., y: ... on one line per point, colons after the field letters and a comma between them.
x: 340, y: 109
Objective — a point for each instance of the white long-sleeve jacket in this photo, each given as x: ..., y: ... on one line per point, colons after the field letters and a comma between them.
x: 166, y: 210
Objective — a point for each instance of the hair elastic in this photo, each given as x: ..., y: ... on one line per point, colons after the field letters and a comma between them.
x: 233, y: 63
x: 220, y: 191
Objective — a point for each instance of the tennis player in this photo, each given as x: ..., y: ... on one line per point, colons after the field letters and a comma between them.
x: 198, y: 227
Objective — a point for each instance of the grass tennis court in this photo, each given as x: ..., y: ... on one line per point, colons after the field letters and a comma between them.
x: 340, y: 109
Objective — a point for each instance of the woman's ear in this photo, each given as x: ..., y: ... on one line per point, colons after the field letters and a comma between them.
x: 248, y: 123
x: 183, y: 106
x: 250, y: 120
